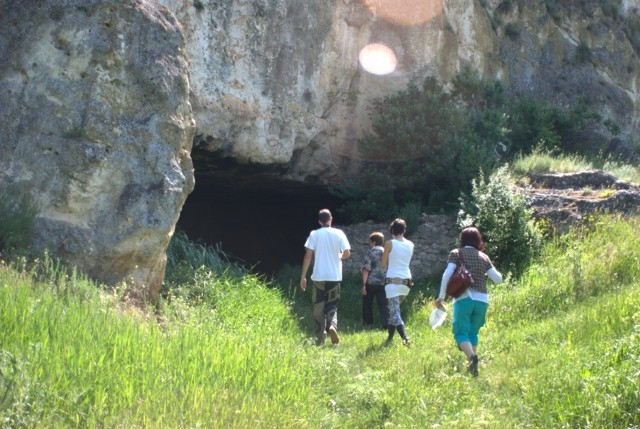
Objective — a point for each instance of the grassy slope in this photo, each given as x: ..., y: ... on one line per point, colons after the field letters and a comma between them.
x: 562, y: 348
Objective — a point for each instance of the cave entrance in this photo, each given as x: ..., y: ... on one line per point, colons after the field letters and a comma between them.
x: 259, y: 220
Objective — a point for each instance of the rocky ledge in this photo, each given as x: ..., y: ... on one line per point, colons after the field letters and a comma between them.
x: 564, y: 199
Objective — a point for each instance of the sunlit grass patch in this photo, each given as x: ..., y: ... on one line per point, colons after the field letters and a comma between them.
x: 561, y: 348
x: 540, y: 161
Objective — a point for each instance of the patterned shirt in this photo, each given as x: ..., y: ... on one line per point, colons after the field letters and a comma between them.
x: 477, y: 262
x: 372, y: 264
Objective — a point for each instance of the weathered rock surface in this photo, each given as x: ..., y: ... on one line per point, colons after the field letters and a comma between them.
x: 278, y: 83
x: 97, y: 116
x: 564, y: 199
x: 97, y: 126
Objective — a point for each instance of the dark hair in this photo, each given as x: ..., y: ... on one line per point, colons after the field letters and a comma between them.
x: 324, y: 216
x: 398, y: 227
x: 377, y: 238
x: 471, y: 237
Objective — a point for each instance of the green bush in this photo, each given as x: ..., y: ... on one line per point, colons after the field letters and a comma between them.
x: 193, y: 268
x: 428, y: 143
x: 368, y: 195
x: 512, y: 31
x: 583, y: 53
x: 553, y: 10
x: 534, y: 123
x: 505, y: 6
x: 423, y: 149
x: 502, y: 215
x: 18, y: 213
x: 412, y: 215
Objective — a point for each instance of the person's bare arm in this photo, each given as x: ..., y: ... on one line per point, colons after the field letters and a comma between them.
x: 385, y: 255
x: 345, y: 254
x: 306, y: 263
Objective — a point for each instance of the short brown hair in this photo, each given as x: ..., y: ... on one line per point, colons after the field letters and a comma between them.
x: 377, y: 238
x: 398, y: 227
x: 324, y: 216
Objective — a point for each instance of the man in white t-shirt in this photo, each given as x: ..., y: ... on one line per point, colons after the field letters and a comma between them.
x: 328, y: 247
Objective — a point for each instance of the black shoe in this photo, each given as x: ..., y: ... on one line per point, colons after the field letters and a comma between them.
x: 473, y: 366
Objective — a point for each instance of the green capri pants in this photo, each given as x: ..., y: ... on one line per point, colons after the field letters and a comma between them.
x: 468, y: 317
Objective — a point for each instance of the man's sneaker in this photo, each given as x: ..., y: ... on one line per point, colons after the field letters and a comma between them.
x: 334, y: 335
x: 406, y: 342
x: 473, y: 366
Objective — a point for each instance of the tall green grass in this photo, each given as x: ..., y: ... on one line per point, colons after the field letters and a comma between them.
x: 545, y: 162
x: 561, y: 349
x: 72, y: 357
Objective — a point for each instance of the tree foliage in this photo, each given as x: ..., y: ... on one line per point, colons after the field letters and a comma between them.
x: 430, y: 141
x: 503, y: 216
x: 421, y: 151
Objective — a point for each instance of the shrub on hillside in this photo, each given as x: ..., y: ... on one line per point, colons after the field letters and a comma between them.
x: 17, y: 217
x: 421, y: 150
x: 502, y: 214
x: 412, y: 215
x: 192, y: 269
x: 429, y: 142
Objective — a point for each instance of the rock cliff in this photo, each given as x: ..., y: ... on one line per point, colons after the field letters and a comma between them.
x: 103, y: 99
x: 97, y: 127
x: 278, y: 84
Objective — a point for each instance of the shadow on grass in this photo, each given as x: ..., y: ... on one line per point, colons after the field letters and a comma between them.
x: 350, y: 306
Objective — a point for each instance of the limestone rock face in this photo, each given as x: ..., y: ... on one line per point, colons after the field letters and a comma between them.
x: 279, y: 82
x: 97, y: 126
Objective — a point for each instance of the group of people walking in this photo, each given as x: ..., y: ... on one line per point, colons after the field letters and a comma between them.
x: 386, y: 278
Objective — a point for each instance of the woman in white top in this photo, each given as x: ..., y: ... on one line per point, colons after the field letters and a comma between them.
x: 396, y: 258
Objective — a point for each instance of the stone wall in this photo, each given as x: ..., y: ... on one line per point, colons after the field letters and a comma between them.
x: 433, y: 240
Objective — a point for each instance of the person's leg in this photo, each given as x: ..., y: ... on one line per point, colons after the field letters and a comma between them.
x: 381, y: 298
x: 400, y: 326
x: 331, y: 310
x: 461, y: 325
x: 405, y: 340
x: 367, y: 306
x: 395, y: 319
x: 466, y: 323
x: 467, y: 349
x: 394, y: 311
x: 476, y: 321
x: 319, y: 299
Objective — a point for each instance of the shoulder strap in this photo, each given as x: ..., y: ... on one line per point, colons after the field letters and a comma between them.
x: 460, y: 256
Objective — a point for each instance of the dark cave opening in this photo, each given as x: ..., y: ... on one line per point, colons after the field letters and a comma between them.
x: 259, y: 220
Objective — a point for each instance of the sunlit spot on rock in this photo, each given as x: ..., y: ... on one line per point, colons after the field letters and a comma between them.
x: 378, y: 59
x: 405, y: 12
